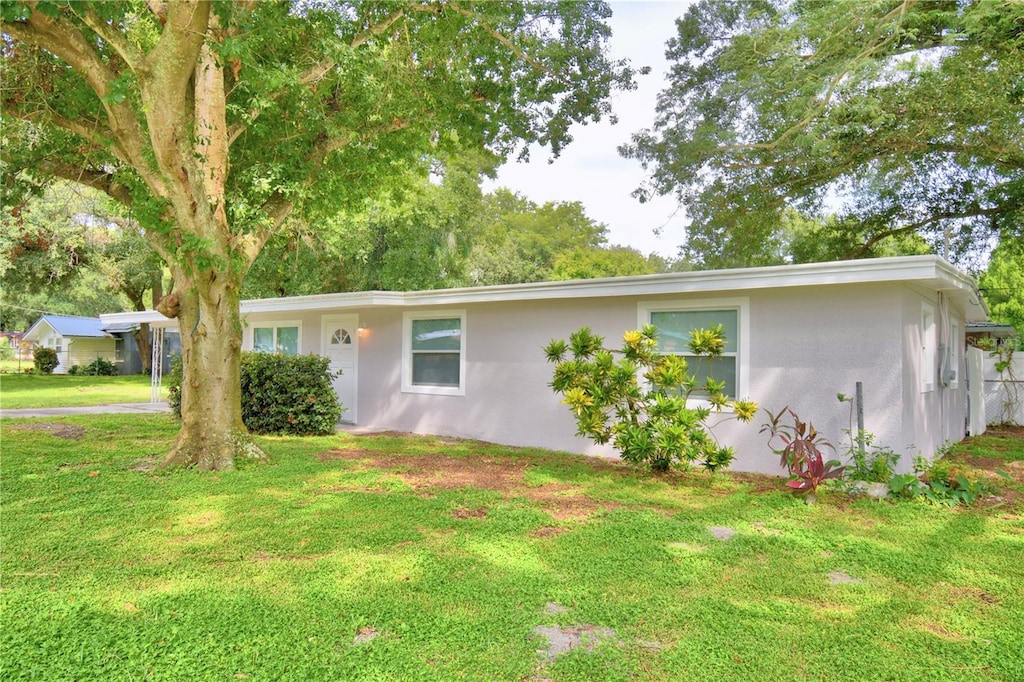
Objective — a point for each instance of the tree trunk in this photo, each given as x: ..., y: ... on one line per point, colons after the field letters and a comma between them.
x: 142, y: 334
x: 144, y: 347
x: 212, y: 433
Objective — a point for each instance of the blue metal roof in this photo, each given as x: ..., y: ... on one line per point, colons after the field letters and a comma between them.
x: 69, y: 325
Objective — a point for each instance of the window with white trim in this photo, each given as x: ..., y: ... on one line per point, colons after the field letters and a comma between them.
x: 928, y: 348
x: 676, y: 319
x: 434, y: 352
x: 276, y: 337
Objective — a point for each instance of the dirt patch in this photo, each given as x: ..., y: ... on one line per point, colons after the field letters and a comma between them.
x: 65, y: 431
x: 759, y: 483
x: 966, y: 594
x: 547, y: 532
x: 1008, y: 430
x: 424, y: 473
x: 462, y: 513
x: 993, y: 470
x: 146, y: 464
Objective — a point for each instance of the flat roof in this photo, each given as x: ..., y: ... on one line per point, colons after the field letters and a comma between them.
x: 929, y: 271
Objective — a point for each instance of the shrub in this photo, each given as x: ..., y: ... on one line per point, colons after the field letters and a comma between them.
x: 100, y: 368
x: 76, y: 370
x: 649, y: 423
x: 281, y: 394
x: 45, y: 360
x: 173, y: 382
x: 799, y: 447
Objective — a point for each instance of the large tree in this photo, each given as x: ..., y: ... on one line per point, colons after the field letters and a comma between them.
x: 901, y: 116
x: 68, y: 251
x: 1002, y: 285
x: 217, y: 123
x: 516, y: 240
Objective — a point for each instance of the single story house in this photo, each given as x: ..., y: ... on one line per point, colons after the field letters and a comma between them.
x: 16, y: 342
x: 77, y: 340
x: 470, y: 362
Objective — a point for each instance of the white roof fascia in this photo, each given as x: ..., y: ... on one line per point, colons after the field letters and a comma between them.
x: 362, y: 299
x: 30, y: 332
x: 906, y: 268
x: 929, y: 270
x: 150, y: 317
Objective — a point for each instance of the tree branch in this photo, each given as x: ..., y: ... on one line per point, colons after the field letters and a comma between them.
x: 278, y: 208
x: 101, y: 180
x: 930, y: 220
x: 128, y: 52
x: 504, y: 40
x: 65, y: 40
x: 320, y: 70
x: 93, y: 132
x: 826, y: 99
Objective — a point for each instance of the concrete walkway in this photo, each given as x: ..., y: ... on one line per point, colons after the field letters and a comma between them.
x: 116, y: 408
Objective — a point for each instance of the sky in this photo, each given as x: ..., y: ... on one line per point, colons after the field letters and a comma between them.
x: 590, y: 169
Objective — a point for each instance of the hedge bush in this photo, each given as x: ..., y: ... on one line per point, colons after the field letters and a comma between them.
x: 97, y: 368
x: 45, y: 360
x: 281, y: 394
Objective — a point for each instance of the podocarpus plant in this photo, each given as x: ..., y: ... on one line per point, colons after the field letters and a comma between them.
x: 649, y: 422
x: 799, y: 446
x: 45, y: 360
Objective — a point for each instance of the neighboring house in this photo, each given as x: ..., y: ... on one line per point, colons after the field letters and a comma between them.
x: 16, y: 342
x: 994, y: 333
x: 470, y: 362
x: 77, y: 340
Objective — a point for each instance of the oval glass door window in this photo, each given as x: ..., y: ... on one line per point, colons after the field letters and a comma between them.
x: 341, y: 336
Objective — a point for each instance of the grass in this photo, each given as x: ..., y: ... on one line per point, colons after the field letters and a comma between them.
x: 998, y: 442
x: 15, y: 366
x: 59, y: 390
x: 274, y: 572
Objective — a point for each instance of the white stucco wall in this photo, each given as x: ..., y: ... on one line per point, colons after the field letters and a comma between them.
x: 930, y: 417
x: 806, y: 344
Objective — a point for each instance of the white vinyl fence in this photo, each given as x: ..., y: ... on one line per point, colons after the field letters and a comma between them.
x: 1004, y: 395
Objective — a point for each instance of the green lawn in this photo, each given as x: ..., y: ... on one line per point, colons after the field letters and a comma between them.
x: 15, y: 366
x: 391, y: 558
x: 58, y: 390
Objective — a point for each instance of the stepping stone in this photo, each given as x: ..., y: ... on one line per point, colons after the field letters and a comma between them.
x: 565, y: 639
x: 365, y: 635
x: 553, y: 608
x: 722, y: 533
x: 839, y: 578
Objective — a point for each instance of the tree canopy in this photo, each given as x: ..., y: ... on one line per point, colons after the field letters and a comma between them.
x: 1002, y: 284
x: 899, y: 116
x: 217, y: 124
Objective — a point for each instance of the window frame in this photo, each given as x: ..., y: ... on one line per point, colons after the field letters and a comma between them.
x: 929, y: 348
x: 739, y: 304
x: 275, y: 325
x: 407, y: 353
x: 954, y: 353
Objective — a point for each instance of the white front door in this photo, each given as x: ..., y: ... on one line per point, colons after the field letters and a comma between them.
x: 339, y: 343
